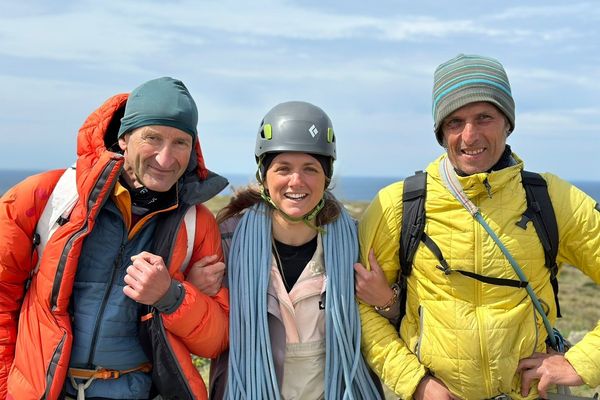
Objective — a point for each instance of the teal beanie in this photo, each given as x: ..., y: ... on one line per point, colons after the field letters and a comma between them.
x: 468, y: 79
x: 162, y: 101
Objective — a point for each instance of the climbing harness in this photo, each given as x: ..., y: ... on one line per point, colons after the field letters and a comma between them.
x: 89, y: 375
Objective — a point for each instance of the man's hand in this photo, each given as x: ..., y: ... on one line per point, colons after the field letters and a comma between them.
x: 371, y: 286
x: 147, y: 279
x: 548, y: 369
x: 207, y: 275
x: 431, y: 388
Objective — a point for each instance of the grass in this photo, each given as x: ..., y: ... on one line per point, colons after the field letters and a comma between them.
x: 579, y: 299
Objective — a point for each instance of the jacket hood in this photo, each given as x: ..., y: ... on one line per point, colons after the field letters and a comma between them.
x: 97, y: 140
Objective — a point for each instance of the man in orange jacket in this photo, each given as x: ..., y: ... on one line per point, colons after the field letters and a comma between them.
x: 108, y: 312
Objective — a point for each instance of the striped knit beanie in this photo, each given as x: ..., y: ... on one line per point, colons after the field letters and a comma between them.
x: 468, y: 79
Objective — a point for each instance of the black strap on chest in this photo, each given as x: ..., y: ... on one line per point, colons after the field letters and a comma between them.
x: 539, y: 211
x: 413, y: 220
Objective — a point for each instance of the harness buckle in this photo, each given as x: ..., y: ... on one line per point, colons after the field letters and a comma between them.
x: 89, y: 375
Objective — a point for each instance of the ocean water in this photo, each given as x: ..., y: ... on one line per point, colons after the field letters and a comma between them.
x: 349, y: 188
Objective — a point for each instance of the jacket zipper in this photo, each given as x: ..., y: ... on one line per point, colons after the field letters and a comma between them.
x: 188, y: 389
x: 93, y: 198
x: 488, y: 187
x: 118, y: 261
x: 163, y: 334
x: 94, y: 194
x: 105, y: 296
x: 422, y: 327
x: 53, y: 364
x: 485, y: 367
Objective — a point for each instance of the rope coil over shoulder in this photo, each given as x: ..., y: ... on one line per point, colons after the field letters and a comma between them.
x: 251, y: 370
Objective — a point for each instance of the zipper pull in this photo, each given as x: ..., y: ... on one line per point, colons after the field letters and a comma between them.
x: 488, y: 187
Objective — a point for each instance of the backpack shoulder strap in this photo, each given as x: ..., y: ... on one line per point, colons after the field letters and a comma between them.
x: 541, y: 213
x: 57, y: 211
x: 413, y: 219
x: 168, y: 225
x: 190, y: 227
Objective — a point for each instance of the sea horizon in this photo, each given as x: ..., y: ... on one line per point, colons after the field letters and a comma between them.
x: 345, y: 188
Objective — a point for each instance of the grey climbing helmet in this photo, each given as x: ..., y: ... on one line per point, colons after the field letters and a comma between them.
x: 295, y: 126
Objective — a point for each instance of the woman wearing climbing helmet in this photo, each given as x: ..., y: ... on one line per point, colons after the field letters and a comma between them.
x: 294, y: 325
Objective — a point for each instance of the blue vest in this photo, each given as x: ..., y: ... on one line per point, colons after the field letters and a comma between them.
x: 105, y: 321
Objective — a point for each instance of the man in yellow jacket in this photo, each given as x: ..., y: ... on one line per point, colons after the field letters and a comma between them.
x: 461, y: 337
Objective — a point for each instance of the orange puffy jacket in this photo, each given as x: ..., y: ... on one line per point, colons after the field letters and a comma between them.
x: 35, y: 328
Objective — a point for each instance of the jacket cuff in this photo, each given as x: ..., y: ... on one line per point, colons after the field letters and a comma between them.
x: 172, y: 299
x: 585, y: 366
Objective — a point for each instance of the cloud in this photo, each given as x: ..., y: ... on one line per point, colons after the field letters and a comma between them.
x: 559, y: 12
x: 560, y: 123
x: 82, y: 38
x: 123, y: 35
x: 584, y: 77
x: 369, y: 67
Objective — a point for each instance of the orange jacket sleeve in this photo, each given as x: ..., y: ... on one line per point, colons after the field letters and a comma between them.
x: 20, y: 209
x: 202, y: 321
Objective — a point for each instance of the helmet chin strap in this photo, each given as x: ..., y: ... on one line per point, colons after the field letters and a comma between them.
x: 307, y: 218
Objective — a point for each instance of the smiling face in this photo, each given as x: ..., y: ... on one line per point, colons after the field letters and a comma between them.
x: 155, y: 156
x: 296, y: 183
x: 475, y: 137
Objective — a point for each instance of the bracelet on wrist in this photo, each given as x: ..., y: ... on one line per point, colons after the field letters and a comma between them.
x: 391, y: 301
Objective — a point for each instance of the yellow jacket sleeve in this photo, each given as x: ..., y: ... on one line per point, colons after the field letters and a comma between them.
x: 578, y: 219
x: 385, y: 351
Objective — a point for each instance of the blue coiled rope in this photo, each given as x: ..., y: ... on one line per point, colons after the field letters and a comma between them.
x: 251, y: 371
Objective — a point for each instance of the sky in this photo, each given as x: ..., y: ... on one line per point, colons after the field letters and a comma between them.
x: 369, y: 65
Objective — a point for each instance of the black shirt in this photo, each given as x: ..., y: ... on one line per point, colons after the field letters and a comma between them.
x: 291, y: 260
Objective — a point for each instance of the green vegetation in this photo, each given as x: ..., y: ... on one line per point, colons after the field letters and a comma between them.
x: 217, y: 203
x: 579, y: 298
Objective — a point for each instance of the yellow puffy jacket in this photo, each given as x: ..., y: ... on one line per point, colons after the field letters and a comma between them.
x: 470, y: 334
